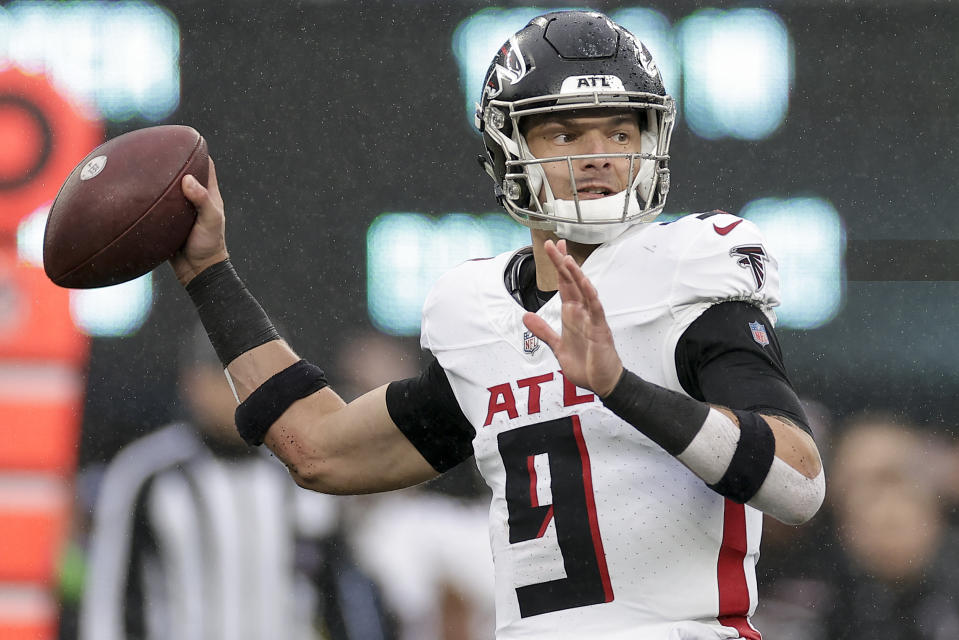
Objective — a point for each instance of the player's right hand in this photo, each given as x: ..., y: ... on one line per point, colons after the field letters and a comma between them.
x: 206, y: 244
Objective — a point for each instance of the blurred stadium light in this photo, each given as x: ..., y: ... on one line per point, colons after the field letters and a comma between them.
x: 119, y: 61
x: 738, y: 64
x: 113, y: 312
x: 807, y: 237
x: 120, y: 57
x: 738, y: 68
x: 407, y: 252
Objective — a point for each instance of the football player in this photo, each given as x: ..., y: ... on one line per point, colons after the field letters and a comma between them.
x: 633, y: 429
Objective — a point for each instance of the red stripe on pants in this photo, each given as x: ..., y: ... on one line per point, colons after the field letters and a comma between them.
x: 730, y: 574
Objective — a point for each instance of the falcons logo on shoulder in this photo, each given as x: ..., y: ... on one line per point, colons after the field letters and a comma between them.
x: 752, y: 257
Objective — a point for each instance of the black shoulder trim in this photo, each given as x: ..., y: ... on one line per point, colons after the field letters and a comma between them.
x: 730, y: 356
x: 426, y: 411
x: 710, y: 214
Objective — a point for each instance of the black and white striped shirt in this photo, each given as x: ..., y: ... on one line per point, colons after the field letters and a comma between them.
x: 190, y: 545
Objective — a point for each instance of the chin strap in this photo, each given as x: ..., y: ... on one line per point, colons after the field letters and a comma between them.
x: 607, y: 208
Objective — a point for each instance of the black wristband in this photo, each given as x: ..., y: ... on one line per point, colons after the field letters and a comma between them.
x: 266, y: 404
x: 668, y: 418
x: 751, y: 461
x: 232, y: 317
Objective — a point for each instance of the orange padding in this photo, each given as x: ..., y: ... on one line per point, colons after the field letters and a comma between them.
x: 34, y: 518
x: 28, y: 629
x: 27, y: 613
x: 35, y: 321
x: 39, y: 437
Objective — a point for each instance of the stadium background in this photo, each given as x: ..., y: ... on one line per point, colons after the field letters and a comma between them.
x: 323, y: 116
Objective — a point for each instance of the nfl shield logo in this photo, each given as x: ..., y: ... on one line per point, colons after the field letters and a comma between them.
x: 759, y: 333
x: 530, y: 342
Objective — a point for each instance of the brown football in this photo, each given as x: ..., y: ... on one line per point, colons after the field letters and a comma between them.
x: 121, y: 211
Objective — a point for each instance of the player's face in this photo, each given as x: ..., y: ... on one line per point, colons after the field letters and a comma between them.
x: 596, y: 133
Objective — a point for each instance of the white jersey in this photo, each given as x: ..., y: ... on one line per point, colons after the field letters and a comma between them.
x: 596, y: 531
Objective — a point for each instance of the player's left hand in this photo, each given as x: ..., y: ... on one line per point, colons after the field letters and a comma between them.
x: 585, y: 349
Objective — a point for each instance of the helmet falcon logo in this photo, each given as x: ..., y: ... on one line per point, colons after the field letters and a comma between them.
x: 511, y: 70
x: 645, y: 59
x: 752, y: 257
x: 647, y: 62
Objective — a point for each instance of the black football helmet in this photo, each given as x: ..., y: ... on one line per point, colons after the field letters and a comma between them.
x: 564, y: 61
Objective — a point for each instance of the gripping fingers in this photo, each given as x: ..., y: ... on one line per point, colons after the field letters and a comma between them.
x: 206, y: 243
x: 213, y: 186
x: 193, y: 190
x: 203, y: 197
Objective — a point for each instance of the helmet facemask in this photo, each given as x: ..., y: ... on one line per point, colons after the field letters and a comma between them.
x: 585, y: 221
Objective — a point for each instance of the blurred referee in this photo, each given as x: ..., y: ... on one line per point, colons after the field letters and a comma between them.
x: 198, y: 536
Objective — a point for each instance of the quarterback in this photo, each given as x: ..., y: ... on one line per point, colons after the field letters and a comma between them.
x: 633, y: 428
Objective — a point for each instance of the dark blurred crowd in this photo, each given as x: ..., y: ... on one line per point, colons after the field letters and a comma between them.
x: 881, y: 559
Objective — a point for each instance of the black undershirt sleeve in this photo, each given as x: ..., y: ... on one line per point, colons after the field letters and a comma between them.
x: 426, y: 411
x: 720, y: 359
